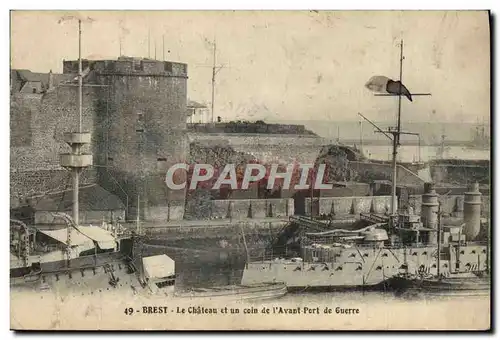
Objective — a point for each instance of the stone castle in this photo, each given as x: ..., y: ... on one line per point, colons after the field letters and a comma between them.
x: 135, y: 110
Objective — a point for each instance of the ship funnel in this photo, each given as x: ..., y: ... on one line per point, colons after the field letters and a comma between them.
x: 429, y: 211
x: 472, y: 212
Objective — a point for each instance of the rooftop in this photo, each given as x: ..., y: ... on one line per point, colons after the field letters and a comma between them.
x: 23, y: 76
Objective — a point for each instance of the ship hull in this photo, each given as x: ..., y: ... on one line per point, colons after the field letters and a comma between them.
x: 360, y: 268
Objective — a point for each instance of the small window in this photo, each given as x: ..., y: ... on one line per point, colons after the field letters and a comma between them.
x: 34, y: 90
x: 110, y: 65
x: 167, y: 67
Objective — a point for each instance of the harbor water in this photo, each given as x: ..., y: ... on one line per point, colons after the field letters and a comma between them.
x: 408, y: 153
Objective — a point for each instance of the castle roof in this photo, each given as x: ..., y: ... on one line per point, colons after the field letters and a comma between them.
x: 29, y: 76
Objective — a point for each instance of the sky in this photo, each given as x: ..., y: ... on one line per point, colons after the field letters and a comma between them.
x: 288, y: 65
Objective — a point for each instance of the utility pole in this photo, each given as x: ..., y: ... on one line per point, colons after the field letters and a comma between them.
x: 215, y: 69
x: 213, y: 80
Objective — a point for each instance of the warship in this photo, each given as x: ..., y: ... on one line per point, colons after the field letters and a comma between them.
x: 309, y: 253
x: 480, y: 139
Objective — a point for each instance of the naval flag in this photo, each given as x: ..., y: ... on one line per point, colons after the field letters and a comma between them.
x: 383, y: 84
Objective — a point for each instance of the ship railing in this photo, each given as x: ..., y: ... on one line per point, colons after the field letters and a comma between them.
x: 271, y: 258
x: 86, y: 262
x: 268, y: 255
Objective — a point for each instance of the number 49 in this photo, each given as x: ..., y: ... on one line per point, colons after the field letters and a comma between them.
x: 129, y: 311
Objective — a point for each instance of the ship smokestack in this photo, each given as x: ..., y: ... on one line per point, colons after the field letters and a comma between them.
x: 472, y: 212
x: 429, y: 211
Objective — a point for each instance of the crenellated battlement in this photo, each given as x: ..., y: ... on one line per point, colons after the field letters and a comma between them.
x: 129, y: 66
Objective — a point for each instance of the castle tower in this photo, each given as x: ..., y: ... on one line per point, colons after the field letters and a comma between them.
x: 141, y: 131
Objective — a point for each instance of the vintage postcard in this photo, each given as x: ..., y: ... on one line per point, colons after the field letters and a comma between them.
x: 250, y: 170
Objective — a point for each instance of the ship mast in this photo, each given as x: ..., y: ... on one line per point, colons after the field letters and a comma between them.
x: 396, y: 132
x: 76, y: 161
x: 439, y: 243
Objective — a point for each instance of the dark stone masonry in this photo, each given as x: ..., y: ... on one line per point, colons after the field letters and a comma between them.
x: 135, y: 110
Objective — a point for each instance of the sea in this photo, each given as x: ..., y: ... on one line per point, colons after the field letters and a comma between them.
x: 408, y: 153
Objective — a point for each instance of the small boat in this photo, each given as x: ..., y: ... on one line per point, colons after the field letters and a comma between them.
x: 253, y: 292
x: 459, y: 284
